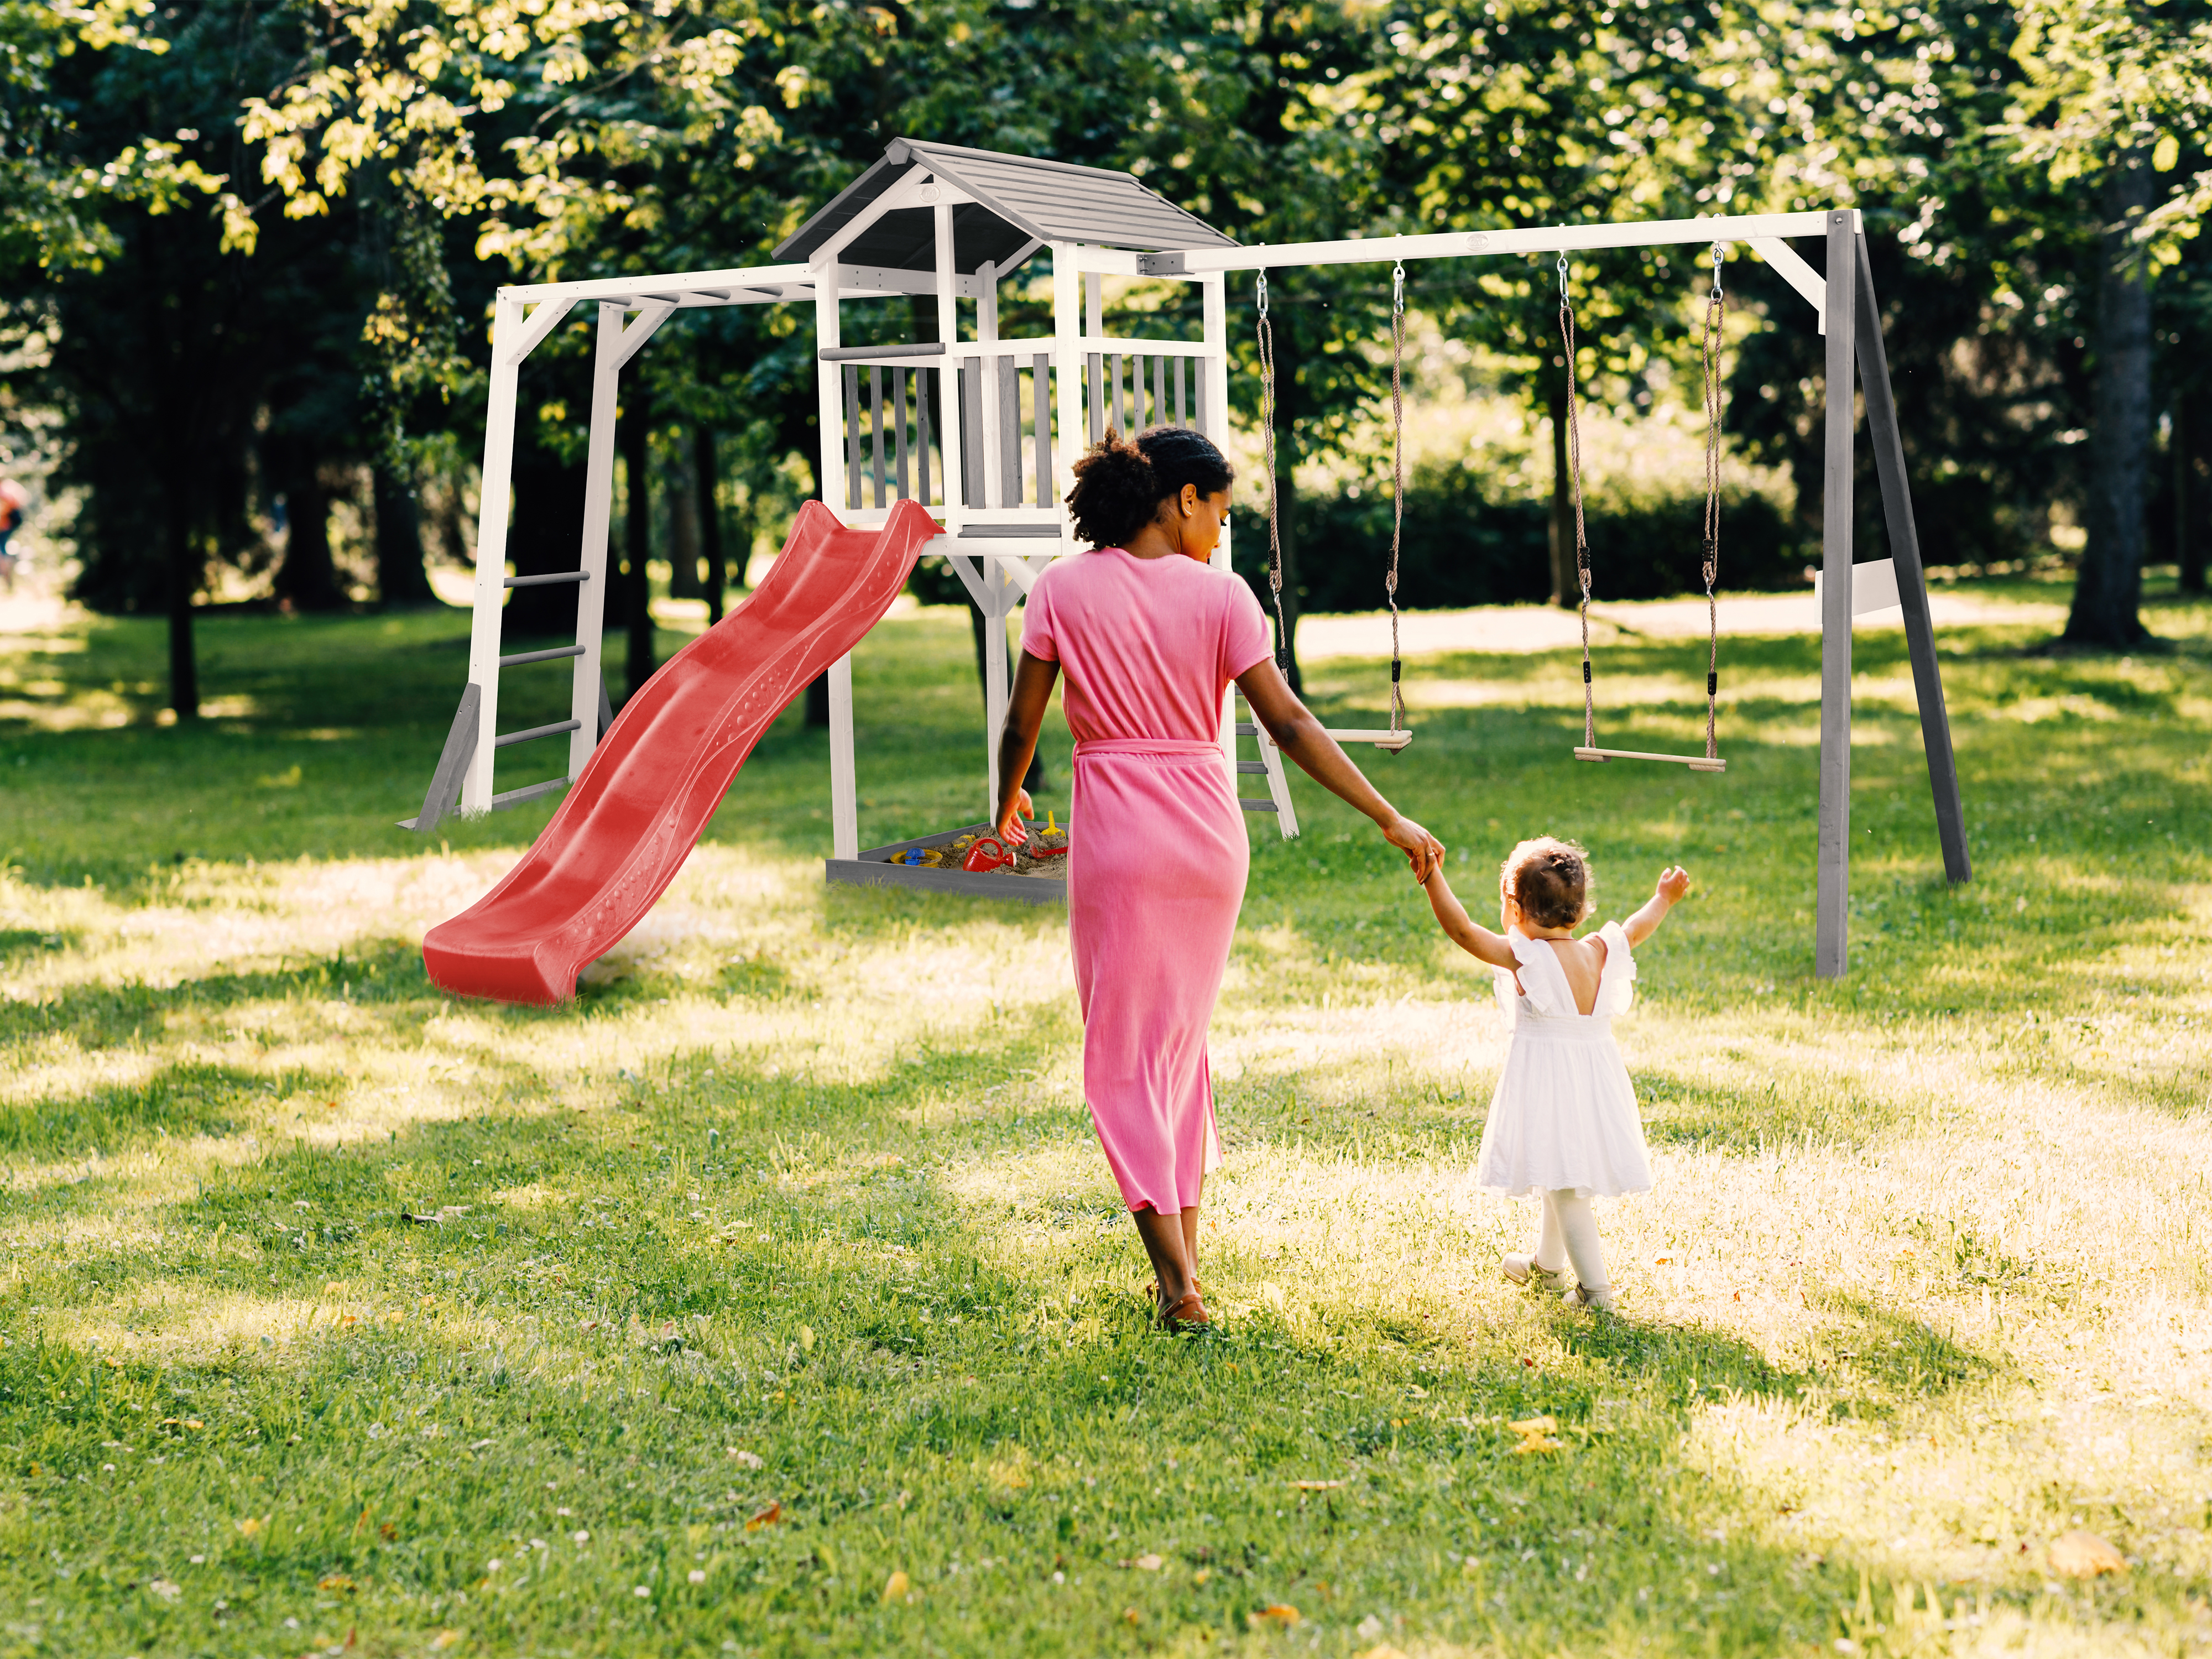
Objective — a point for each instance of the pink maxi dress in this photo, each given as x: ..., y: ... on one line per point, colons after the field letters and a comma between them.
x: 1157, y: 857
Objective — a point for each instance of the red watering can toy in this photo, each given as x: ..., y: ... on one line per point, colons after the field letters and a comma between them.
x: 988, y: 853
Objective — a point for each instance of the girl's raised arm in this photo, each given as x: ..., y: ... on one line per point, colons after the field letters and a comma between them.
x: 1673, y: 882
x: 1470, y: 935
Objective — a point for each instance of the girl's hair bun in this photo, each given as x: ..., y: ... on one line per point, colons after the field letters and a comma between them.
x: 1120, y: 482
x: 1549, y: 880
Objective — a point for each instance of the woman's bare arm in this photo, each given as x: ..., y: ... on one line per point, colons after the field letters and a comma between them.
x: 1299, y: 735
x: 1470, y: 935
x: 1034, y: 678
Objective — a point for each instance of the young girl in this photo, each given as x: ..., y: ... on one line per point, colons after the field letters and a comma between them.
x: 1563, y: 1123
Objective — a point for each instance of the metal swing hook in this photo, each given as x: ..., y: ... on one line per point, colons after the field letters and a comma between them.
x: 1397, y: 289
x: 1263, y: 295
x: 1717, y: 258
x: 1563, y: 272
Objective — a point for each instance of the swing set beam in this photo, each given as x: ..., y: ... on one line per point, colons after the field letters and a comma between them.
x: 1843, y: 299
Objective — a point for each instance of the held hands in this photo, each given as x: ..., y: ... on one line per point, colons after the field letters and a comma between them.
x: 1674, y: 883
x: 1009, y: 826
x: 1424, y: 852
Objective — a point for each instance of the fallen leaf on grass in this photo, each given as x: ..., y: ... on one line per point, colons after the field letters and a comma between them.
x: 1280, y: 1614
x: 445, y: 1639
x: 2084, y: 1555
x: 167, y: 1589
x: 897, y: 1586
x: 336, y: 1581
x: 1535, y: 1426
x: 1383, y: 1651
x: 750, y: 1459
x: 1142, y: 1563
x: 251, y: 1525
x: 1315, y: 1485
x: 766, y: 1517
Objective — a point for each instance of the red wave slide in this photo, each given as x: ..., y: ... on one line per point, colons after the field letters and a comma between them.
x: 630, y: 821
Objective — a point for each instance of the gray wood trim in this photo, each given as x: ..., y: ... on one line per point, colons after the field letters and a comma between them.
x: 1832, y: 901
x: 1888, y: 445
x: 528, y: 793
x: 534, y: 733
x: 851, y: 377
x: 874, y: 868
x: 1041, y: 397
x: 880, y: 353
x: 899, y: 425
x: 562, y: 652
x: 547, y: 582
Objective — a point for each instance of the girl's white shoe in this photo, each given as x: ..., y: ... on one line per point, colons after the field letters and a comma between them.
x: 1523, y: 1269
x: 1583, y: 1297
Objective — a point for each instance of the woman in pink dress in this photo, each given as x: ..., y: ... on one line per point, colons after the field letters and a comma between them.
x: 1150, y: 635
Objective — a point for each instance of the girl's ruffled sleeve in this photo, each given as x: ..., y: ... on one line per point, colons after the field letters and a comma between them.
x: 1616, y: 986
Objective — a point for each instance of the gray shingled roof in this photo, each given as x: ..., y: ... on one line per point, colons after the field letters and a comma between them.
x: 1018, y: 199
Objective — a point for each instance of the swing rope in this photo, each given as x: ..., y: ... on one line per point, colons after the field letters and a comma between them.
x: 1575, y: 481
x: 1266, y: 338
x: 1397, y: 479
x: 1716, y: 316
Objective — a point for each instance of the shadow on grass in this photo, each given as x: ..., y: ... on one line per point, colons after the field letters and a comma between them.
x: 1702, y: 1116
x: 100, y: 1016
x: 191, y: 1098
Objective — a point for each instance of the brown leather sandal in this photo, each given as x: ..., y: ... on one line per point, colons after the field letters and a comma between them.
x: 1187, y: 1314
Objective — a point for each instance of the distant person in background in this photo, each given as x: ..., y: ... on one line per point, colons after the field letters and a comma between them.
x: 14, y: 502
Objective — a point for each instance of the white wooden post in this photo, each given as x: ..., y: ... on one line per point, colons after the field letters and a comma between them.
x: 492, y: 511
x: 987, y: 333
x: 844, y: 791
x: 948, y: 379
x: 1213, y: 300
x: 598, y: 506
x: 1067, y: 373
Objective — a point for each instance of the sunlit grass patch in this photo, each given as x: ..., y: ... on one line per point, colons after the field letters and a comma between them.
x: 772, y: 1295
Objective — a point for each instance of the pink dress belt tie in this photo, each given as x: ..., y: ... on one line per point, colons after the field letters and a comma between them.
x: 1164, y: 747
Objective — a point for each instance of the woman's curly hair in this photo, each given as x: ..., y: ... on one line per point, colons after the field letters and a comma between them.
x: 1121, y: 482
x: 1549, y: 879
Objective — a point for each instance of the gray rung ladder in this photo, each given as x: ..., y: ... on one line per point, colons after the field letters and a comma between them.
x: 1269, y: 766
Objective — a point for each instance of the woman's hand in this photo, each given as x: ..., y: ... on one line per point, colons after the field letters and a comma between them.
x: 1422, y: 851
x: 1009, y: 826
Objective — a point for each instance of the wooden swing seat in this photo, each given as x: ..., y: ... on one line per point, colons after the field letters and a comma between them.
x: 1695, y: 762
x: 1392, y: 741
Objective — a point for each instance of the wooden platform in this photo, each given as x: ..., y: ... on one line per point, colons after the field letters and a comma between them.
x: 874, y: 868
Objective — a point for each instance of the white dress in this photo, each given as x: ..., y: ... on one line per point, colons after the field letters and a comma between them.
x: 1564, y: 1113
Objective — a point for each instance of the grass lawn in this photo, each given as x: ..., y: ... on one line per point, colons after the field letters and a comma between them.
x: 774, y: 1297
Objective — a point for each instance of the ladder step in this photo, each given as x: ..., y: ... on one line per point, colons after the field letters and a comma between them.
x: 1252, y: 766
x: 1247, y: 729
x: 547, y: 582
x: 522, y: 657
x: 536, y: 731
x: 528, y: 791
x: 1251, y: 806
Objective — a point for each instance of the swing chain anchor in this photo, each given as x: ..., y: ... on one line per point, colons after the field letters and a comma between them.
x: 1717, y: 258
x: 1263, y: 295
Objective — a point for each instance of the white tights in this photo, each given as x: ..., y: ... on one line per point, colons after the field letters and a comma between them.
x: 1570, y: 1235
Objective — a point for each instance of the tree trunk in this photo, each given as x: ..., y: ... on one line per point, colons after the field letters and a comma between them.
x: 681, y: 491
x: 2109, y: 589
x: 706, y: 475
x: 1286, y: 494
x: 817, y: 700
x: 1566, y: 586
x: 184, y: 572
x: 307, y: 580
x: 546, y: 537
x: 2188, y: 508
x: 400, y: 579
x: 637, y: 538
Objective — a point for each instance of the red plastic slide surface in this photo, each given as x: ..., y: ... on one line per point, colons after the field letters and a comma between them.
x: 629, y: 822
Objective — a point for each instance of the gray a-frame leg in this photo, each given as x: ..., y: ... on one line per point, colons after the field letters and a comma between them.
x: 444, y: 795
x: 1855, y: 354
x: 1911, y: 582
x: 1833, y: 900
